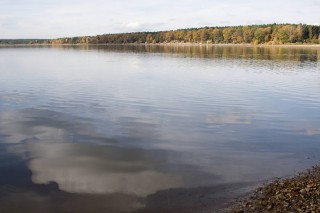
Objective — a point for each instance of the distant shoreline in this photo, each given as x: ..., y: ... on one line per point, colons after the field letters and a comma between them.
x: 172, y: 44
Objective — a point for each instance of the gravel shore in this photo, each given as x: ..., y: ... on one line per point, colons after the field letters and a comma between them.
x: 297, y: 194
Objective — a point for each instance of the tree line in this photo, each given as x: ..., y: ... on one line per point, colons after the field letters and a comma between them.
x: 273, y: 34
x: 24, y: 41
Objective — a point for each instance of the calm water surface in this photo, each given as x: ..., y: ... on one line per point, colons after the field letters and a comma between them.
x: 152, y: 128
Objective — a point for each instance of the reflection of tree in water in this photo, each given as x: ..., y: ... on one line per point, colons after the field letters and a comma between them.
x: 302, y: 54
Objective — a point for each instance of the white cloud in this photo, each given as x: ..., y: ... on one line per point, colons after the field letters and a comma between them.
x: 132, y: 24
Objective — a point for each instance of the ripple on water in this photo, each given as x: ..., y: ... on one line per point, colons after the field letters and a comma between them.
x: 137, y: 125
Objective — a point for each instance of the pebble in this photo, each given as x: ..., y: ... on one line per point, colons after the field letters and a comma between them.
x: 297, y: 194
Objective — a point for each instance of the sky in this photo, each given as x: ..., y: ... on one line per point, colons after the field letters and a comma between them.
x: 67, y: 18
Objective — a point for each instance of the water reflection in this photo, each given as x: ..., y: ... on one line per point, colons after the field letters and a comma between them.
x: 42, y: 149
x: 56, y: 155
x: 231, y: 118
x: 217, y: 52
x: 294, y: 53
x: 97, y: 170
x: 121, y: 128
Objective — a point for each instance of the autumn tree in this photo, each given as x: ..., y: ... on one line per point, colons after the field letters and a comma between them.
x: 247, y: 34
x: 227, y: 34
x: 273, y: 34
x: 216, y: 36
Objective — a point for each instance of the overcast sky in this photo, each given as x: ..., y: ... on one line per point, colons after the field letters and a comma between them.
x: 62, y: 18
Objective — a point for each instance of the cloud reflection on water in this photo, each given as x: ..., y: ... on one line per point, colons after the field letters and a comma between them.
x: 80, y: 163
x: 97, y: 170
x: 58, y: 148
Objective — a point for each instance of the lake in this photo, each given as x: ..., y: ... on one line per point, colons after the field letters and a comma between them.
x: 152, y: 128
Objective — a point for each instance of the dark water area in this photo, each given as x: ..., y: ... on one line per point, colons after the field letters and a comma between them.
x: 152, y: 128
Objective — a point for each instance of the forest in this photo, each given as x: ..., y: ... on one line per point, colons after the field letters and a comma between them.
x: 24, y: 41
x: 272, y: 34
